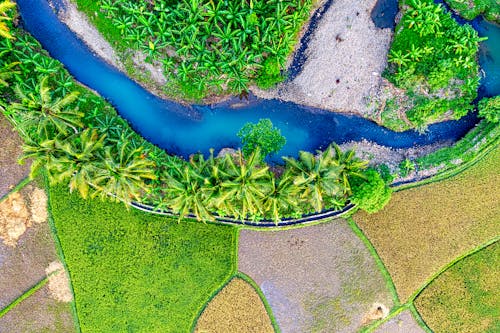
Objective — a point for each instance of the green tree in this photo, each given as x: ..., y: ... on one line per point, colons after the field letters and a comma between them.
x: 262, y: 135
x: 78, y: 157
x: 4, y: 7
x: 489, y: 109
x: 370, y: 194
x: 46, y: 115
x: 316, y: 176
x: 246, y: 185
x: 282, y: 197
x: 122, y: 173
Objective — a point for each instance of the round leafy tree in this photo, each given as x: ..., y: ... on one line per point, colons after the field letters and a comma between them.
x: 489, y: 109
x: 262, y: 135
x: 372, y: 193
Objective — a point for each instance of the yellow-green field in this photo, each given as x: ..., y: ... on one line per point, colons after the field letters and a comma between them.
x: 424, y: 228
x: 237, y: 308
x: 466, y: 297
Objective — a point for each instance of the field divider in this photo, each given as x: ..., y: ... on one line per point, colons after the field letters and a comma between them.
x: 60, y: 253
x: 378, y: 261
x: 24, y: 296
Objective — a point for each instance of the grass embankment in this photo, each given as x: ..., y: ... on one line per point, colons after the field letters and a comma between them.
x: 236, y: 308
x: 470, y: 9
x: 132, y: 271
x: 465, y: 298
x: 37, y: 311
x: 424, y: 228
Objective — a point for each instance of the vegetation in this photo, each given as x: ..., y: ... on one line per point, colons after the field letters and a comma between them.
x: 489, y: 109
x: 457, y: 214
x: 129, y: 268
x: 81, y: 141
x: 262, y: 135
x: 465, y: 297
x: 371, y: 194
x: 206, y: 46
x: 470, y: 9
x: 433, y: 58
x: 244, y: 188
x: 480, y: 139
x: 5, y: 6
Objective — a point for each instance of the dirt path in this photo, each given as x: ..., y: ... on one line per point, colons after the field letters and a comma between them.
x: 346, y: 57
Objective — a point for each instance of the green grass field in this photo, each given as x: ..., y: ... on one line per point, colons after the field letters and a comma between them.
x: 135, y: 272
x: 466, y: 297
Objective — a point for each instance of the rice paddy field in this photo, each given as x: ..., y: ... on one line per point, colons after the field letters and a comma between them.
x: 236, y: 308
x: 134, y: 272
x: 424, y: 228
x: 465, y: 298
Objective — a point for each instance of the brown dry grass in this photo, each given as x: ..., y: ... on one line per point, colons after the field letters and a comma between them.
x: 424, y: 228
x: 237, y: 308
x: 19, y: 211
x: 59, y: 288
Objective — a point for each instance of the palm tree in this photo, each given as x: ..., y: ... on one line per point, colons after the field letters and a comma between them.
x: 186, y: 195
x: 78, y: 159
x: 246, y: 186
x: 6, y: 72
x: 42, y: 154
x: 45, y: 114
x: 123, y: 174
x: 4, y: 7
x: 282, y: 197
x: 317, y: 176
x: 351, y: 166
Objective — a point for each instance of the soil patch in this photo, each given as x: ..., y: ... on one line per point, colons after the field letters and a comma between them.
x: 424, y: 228
x: 345, y: 59
x: 58, y: 282
x: 316, y: 279
x: 11, y: 172
x: 402, y: 323
x: 23, y: 261
x: 237, y: 308
x: 19, y: 211
x: 39, y: 313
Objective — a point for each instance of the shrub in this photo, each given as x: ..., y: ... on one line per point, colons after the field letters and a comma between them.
x: 489, y: 109
x: 372, y: 193
x: 262, y: 135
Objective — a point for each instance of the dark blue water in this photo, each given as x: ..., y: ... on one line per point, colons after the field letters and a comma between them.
x: 384, y: 12
x: 186, y: 130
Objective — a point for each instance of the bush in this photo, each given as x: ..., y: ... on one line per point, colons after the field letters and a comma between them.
x: 372, y: 193
x: 489, y: 109
x: 262, y: 135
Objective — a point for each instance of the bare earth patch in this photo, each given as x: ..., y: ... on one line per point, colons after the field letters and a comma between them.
x: 422, y: 229
x: 58, y: 282
x: 39, y: 313
x: 346, y: 57
x: 316, y: 279
x: 402, y: 323
x: 237, y: 308
x: 80, y: 25
x: 11, y: 172
x: 26, y: 244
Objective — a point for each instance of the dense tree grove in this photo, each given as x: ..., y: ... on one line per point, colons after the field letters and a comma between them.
x: 208, y: 46
x: 434, y: 59
x: 79, y: 140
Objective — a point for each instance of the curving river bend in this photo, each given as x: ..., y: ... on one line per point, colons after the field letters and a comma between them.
x: 185, y: 130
